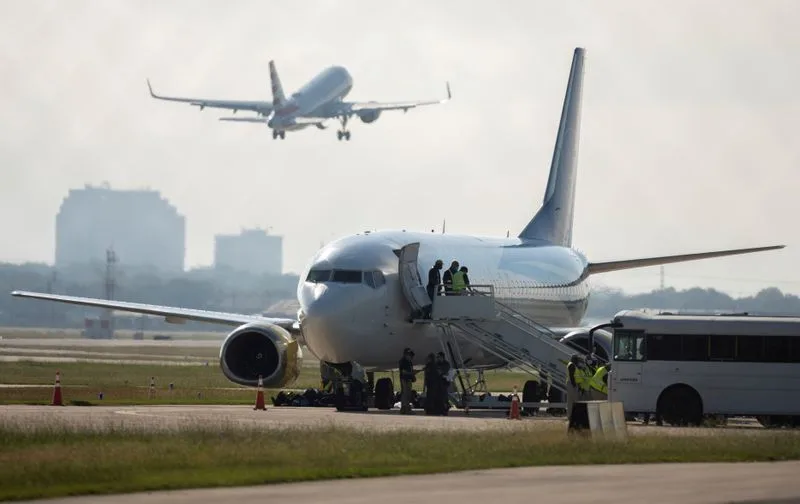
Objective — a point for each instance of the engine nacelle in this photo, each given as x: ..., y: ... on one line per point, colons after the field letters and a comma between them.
x: 260, y: 349
x: 369, y: 116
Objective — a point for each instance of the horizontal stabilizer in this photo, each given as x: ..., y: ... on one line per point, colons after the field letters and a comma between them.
x: 604, y: 267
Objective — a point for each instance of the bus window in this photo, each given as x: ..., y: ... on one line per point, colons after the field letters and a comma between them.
x: 776, y: 348
x: 695, y: 347
x: 663, y: 347
x: 629, y: 345
x: 722, y: 347
x: 750, y: 348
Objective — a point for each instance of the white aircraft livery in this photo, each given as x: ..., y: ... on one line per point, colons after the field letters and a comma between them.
x: 321, y: 99
x: 353, y: 294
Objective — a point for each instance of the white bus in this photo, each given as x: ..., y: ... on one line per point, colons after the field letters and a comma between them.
x: 684, y: 367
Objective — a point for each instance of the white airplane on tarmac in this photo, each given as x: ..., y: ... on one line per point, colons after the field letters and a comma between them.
x: 322, y: 98
x: 354, y: 297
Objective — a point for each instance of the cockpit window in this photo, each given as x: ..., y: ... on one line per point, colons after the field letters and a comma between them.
x: 346, y: 276
x: 378, y: 278
x: 316, y: 276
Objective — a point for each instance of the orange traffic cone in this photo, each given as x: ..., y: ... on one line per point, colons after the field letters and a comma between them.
x: 514, y: 413
x: 260, y: 395
x: 57, y: 399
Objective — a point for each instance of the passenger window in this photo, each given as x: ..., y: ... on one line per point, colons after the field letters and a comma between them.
x: 776, y: 348
x: 695, y: 347
x: 663, y: 347
x: 629, y: 345
x: 723, y: 347
x: 346, y: 276
x: 750, y: 349
x: 318, y: 276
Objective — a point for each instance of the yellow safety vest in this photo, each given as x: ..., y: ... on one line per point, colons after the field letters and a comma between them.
x: 597, y: 380
x: 458, y: 281
x: 580, y: 376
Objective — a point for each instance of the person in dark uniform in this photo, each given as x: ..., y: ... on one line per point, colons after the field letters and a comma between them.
x: 434, y: 285
x: 431, y: 390
x: 447, y: 278
x: 407, y: 377
x: 442, y: 370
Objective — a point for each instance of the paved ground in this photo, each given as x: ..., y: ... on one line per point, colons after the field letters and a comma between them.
x: 635, y: 484
x: 170, y: 417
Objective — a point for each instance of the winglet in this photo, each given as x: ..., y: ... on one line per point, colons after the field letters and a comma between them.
x: 151, y: 89
x: 449, y: 95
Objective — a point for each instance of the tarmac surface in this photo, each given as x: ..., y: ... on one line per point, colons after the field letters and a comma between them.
x: 172, y: 417
x: 621, y: 484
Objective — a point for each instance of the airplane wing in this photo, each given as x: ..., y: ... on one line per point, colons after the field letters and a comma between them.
x: 361, y: 106
x: 263, y: 107
x: 603, y: 267
x: 171, y: 314
x: 262, y: 120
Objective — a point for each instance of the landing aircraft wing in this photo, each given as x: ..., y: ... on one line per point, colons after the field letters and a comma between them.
x: 603, y: 267
x: 171, y: 314
x: 378, y: 106
x: 263, y: 107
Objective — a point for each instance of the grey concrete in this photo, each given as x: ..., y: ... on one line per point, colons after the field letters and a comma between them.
x: 635, y: 484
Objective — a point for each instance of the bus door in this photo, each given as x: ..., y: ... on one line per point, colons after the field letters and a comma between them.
x: 629, y: 353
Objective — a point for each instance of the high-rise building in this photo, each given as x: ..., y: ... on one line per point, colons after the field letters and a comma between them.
x: 253, y: 251
x: 141, y: 226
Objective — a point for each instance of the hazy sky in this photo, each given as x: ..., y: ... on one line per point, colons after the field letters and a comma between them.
x: 688, y: 138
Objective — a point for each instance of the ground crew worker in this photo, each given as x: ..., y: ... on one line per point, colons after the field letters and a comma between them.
x: 574, y: 378
x: 407, y: 377
x: 599, y: 384
x: 443, y: 370
x: 434, y: 285
x: 430, y: 384
x: 460, y: 281
x: 447, y: 278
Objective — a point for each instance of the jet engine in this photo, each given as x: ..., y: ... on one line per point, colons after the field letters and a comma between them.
x: 369, y: 116
x: 260, y: 349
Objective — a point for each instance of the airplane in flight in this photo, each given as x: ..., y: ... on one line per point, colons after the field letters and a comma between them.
x: 321, y: 99
x: 353, y: 294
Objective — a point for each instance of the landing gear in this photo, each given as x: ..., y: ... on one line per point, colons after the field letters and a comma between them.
x: 343, y: 133
x: 276, y: 134
x: 350, y: 391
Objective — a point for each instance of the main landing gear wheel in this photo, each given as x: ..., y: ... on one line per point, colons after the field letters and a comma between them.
x: 343, y: 133
x: 276, y: 134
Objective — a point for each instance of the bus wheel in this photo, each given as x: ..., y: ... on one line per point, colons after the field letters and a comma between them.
x: 680, y: 405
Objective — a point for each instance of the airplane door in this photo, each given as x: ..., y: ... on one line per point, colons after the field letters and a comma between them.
x: 410, y: 281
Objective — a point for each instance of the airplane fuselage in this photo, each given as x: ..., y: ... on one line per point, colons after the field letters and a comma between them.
x: 331, y: 85
x: 340, y: 312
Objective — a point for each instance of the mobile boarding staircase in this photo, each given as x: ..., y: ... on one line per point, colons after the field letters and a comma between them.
x: 483, y: 322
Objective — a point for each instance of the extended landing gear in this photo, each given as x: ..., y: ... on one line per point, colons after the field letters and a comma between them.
x: 276, y: 134
x: 343, y: 133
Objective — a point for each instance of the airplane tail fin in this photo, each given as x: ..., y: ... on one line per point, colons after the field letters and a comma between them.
x: 278, y: 98
x: 553, y: 221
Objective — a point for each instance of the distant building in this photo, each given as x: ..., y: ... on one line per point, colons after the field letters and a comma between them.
x: 143, y: 228
x: 253, y: 251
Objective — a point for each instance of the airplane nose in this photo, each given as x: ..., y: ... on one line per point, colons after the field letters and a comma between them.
x: 326, y: 320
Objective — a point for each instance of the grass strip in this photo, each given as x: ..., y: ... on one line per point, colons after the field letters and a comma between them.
x: 127, y: 384
x: 59, y: 459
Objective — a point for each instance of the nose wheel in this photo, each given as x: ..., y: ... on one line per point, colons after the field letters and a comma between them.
x: 343, y: 133
x: 276, y: 134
